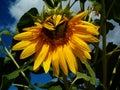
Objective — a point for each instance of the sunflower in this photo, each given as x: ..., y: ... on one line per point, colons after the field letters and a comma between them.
x: 57, y: 41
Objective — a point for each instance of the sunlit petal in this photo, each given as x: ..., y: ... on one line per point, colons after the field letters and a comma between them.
x: 40, y: 56
x: 79, y: 16
x: 29, y: 50
x: 47, y: 62
x: 58, y: 18
x: 55, y: 62
x: 62, y: 60
x: 70, y: 58
x: 21, y: 45
x: 89, y: 29
x: 25, y: 36
x: 87, y: 55
x: 80, y: 43
x: 87, y: 37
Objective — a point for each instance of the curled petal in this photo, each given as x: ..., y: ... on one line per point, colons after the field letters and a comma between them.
x: 79, y: 16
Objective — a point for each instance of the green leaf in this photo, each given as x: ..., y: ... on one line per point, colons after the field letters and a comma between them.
x: 97, y: 6
x: 52, y: 3
x: 13, y: 75
x: 7, y: 32
x: 92, y: 73
x: 113, y: 6
x: 45, y: 86
x: 58, y: 87
x: 16, y: 73
x: 83, y: 76
x: 74, y: 88
x: 5, y: 84
x: 27, y: 19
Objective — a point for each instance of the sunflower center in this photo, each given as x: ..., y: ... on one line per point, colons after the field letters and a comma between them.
x: 55, y: 26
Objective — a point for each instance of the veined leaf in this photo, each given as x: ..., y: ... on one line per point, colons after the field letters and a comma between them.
x: 92, y: 73
x: 83, y: 76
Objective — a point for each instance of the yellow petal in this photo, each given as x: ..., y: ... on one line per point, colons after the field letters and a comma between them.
x: 26, y: 35
x: 40, y: 56
x: 79, y: 16
x: 80, y: 43
x: 58, y: 18
x: 87, y: 37
x: 87, y: 54
x: 79, y: 54
x: 33, y: 28
x: 28, y: 51
x: 90, y: 24
x: 87, y: 28
x: 38, y: 25
x: 49, y: 26
x: 21, y: 45
x: 62, y: 61
x: 55, y: 62
x: 47, y: 63
x: 70, y: 58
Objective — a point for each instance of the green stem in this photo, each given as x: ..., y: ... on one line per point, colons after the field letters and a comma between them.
x: 96, y: 53
x: 73, y: 3
x: 114, y: 74
x: 108, y: 12
x: 90, y: 15
x: 74, y: 81
x: 65, y: 82
x: 103, y: 28
x: 14, y: 61
x: 81, y: 6
x: 19, y: 85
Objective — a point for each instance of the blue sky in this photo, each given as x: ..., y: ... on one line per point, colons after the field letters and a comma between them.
x: 5, y: 17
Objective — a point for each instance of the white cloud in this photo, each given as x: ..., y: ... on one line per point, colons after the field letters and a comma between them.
x: 11, y: 27
x: 19, y: 7
x: 114, y: 35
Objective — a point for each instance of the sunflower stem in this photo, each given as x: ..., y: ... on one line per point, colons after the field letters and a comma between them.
x: 14, y: 61
x: 72, y: 3
x: 108, y: 12
x: 104, y: 60
x: 20, y: 85
x: 90, y: 16
x: 81, y: 6
x: 65, y: 82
